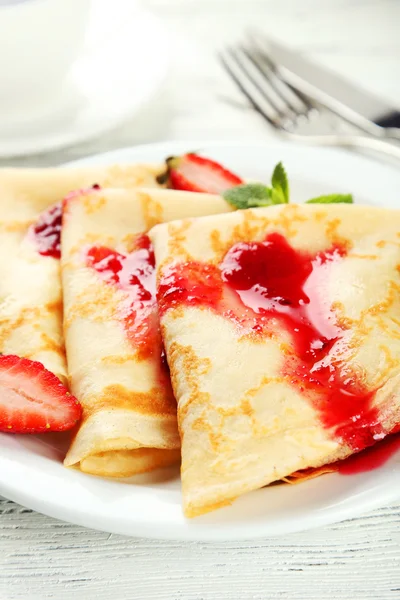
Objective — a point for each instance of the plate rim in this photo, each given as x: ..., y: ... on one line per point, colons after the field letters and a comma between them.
x: 334, y: 513
x: 208, y: 533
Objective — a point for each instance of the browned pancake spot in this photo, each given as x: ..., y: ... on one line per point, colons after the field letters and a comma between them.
x: 245, y: 406
x: 289, y: 216
x: 333, y: 235
x: 384, y: 243
x: 251, y: 227
x: 217, y: 245
x: 51, y: 345
x: 363, y: 256
x: 131, y: 176
x: 129, y: 242
x: 216, y: 438
x: 151, y: 209
x: 319, y: 216
x: 118, y: 360
x: 97, y: 303
x: 31, y: 317
x: 183, y: 361
x: 383, y: 306
x: 154, y: 402
x: 92, y: 202
x: 391, y: 363
x: 178, y: 234
x: 55, y: 307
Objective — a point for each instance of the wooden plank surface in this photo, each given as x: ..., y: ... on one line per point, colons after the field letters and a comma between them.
x: 43, y: 558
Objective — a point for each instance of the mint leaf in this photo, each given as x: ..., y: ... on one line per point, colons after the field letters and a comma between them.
x: 277, y: 196
x: 249, y: 195
x: 253, y: 195
x: 332, y: 199
x: 280, y: 184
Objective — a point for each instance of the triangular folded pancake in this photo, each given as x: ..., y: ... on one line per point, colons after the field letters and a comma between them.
x: 31, y: 302
x: 114, y: 348
x: 282, y: 332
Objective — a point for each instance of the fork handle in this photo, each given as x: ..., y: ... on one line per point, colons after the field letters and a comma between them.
x: 359, y: 142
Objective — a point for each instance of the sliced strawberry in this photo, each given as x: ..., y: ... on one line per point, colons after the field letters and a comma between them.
x: 32, y: 399
x: 194, y: 173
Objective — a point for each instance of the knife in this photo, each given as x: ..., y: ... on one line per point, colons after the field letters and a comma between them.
x: 356, y: 105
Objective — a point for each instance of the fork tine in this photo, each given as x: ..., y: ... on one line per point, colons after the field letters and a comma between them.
x: 261, y: 83
x: 294, y: 100
x: 263, y: 109
x: 256, y: 41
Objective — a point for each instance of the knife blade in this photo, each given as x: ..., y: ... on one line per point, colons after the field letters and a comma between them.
x: 354, y: 104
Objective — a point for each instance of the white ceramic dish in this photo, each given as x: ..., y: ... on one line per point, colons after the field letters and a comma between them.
x: 123, y: 64
x: 31, y: 472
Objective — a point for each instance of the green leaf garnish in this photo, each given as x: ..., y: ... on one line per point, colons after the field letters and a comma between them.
x: 249, y: 195
x: 280, y: 184
x: 253, y: 195
x: 277, y: 196
x: 332, y: 199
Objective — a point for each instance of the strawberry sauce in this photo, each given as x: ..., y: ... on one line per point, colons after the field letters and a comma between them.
x: 133, y: 273
x: 268, y: 286
x: 47, y: 231
x: 370, y: 458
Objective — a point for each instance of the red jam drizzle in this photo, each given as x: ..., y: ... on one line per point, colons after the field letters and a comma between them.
x: 368, y: 459
x: 47, y: 230
x: 266, y: 286
x: 371, y: 458
x: 134, y: 273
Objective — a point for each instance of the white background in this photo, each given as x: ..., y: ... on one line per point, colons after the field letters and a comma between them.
x: 41, y: 558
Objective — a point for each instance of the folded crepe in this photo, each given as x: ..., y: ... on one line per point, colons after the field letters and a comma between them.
x: 281, y: 328
x: 114, y: 349
x: 30, y: 223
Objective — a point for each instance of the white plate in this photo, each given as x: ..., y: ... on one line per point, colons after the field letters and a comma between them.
x: 31, y: 472
x: 125, y: 62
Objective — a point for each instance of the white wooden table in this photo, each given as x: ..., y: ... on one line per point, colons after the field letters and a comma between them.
x: 43, y: 558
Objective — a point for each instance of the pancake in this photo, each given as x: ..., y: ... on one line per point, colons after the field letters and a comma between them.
x: 281, y: 328
x: 30, y: 290
x: 27, y: 192
x: 113, y: 342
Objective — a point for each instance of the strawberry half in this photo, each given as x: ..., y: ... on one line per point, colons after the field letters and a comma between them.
x: 32, y: 399
x: 194, y: 173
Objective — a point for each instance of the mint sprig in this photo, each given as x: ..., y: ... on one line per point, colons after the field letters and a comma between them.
x: 252, y: 195
x: 255, y: 195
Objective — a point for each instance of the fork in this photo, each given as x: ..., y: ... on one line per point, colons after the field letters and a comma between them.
x: 284, y: 107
